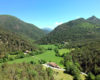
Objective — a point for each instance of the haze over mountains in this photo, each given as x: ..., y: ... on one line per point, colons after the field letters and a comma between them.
x: 47, y: 30
x: 74, y: 30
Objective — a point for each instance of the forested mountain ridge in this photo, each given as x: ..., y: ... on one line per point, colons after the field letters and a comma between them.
x: 18, y: 26
x: 10, y: 42
x: 75, y: 30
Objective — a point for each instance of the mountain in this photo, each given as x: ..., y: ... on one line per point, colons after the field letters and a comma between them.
x: 75, y: 30
x: 94, y: 20
x: 47, y: 30
x: 20, y: 27
x: 11, y: 42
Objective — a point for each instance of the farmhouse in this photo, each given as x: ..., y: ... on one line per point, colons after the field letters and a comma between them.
x: 26, y: 52
x: 52, y: 64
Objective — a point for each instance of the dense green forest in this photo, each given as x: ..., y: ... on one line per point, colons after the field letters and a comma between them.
x: 88, y: 56
x: 85, y: 58
x: 11, y: 42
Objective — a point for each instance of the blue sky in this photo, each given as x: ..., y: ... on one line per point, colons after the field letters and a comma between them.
x: 50, y: 13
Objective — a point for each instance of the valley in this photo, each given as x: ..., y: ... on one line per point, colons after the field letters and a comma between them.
x: 70, y: 52
x: 48, y: 55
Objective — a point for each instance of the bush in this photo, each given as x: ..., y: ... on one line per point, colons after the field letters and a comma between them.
x: 56, y: 50
x: 11, y: 58
x: 42, y: 61
x: 91, y: 76
x: 33, y: 73
x: 49, y: 48
x: 32, y: 62
x: 77, y: 77
x: 49, y: 71
x: 1, y: 60
x: 5, y: 59
x: 32, y: 53
x: 21, y: 55
x: 98, y: 77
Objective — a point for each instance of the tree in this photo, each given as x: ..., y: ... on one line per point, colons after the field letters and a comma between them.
x: 72, y: 69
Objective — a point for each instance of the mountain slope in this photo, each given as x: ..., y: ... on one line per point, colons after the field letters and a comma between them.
x: 10, y: 42
x: 94, y: 20
x: 79, y: 29
x: 16, y: 25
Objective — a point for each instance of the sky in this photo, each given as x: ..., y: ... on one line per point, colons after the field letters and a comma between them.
x: 50, y: 13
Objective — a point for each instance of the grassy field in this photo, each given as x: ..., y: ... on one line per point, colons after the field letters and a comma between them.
x: 63, y: 51
x: 26, y: 59
x: 48, y: 56
x: 60, y: 75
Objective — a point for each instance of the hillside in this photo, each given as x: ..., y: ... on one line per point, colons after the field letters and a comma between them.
x: 25, y: 71
x: 10, y: 42
x: 75, y: 30
x: 18, y: 26
x: 88, y: 56
x: 94, y: 20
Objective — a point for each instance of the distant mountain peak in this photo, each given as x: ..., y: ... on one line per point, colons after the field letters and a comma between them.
x: 93, y: 18
x: 75, y: 30
x: 47, y: 30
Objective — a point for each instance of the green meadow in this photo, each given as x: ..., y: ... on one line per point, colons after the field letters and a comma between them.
x: 47, y: 55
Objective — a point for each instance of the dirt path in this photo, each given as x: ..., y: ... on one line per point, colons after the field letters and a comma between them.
x: 53, y: 67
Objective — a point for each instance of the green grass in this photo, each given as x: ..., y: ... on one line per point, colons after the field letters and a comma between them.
x: 60, y: 75
x: 63, y: 51
x: 27, y: 59
x: 50, y: 56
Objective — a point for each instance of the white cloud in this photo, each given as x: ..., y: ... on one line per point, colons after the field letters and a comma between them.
x: 78, y: 17
x: 58, y: 23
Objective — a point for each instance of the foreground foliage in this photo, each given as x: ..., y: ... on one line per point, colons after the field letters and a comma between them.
x: 25, y: 71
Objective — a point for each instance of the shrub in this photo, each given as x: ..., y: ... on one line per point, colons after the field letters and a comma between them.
x: 49, y: 48
x: 91, y: 76
x: 21, y: 55
x: 32, y: 62
x: 1, y: 60
x: 11, y: 58
x: 49, y: 71
x: 42, y: 61
x: 98, y: 77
